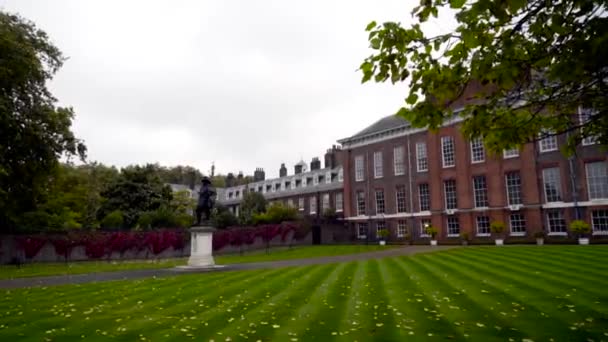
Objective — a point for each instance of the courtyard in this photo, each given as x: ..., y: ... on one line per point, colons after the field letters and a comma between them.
x: 516, y: 293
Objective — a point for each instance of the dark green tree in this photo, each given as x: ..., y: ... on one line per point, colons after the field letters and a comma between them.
x: 252, y: 203
x: 138, y: 189
x: 539, y: 61
x: 34, y: 132
x: 222, y: 218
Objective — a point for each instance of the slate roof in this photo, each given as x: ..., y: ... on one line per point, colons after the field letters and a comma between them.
x: 387, y: 123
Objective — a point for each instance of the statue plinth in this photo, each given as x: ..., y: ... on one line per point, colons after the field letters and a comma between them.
x: 201, y: 247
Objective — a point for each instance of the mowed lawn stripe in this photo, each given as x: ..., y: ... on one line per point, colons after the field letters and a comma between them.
x: 551, y: 297
x: 567, y: 258
x: 407, y: 303
x: 231, y: 308
x: 277, y: 310
x: 507, y: 304
x: 555, y: 302
x: 323, y: 312
x: 591, y: 271
x: 550, y: 274
x: 457, y: 306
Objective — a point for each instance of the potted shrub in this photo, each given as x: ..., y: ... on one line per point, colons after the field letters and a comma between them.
x: 465, y: 238
x: 580, y: 230
x: 432, y: 231
x: 498, y: 228
x: 540, y: 237
x: 382, y: 235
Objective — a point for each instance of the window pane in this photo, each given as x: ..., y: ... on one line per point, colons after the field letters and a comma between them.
x: 362, y: 230
x: 599, y: 221
x: 480, y: 191
x: 424, y: 197
x: 401, y: 228
x: 398, y: 153
x: 518, y: 224
x: 401, y: 199
x: 597, y: 180
x: 447, y: 151
x: 359, y: 171
x: 556, y: 222
x: 339, y: 202
x: 483, y: 225
x: 378, y: 171
x: 423, y: 224
x: 548, y: 143
x: 478, y: 153
x: 552, y: 184
x: 360, y: 203
x: 379, y: 202
x: 453, y: 226
x: 513, y: 181
x: 421, y: 158
x: 449, y: 187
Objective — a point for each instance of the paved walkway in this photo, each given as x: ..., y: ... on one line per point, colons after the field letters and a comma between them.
x: 167, y: 272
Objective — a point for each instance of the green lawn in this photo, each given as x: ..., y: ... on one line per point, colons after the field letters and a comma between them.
x: 528, y: 293
x: 46, y: 269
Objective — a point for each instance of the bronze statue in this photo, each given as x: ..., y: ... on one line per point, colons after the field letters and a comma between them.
x: 206, y: 200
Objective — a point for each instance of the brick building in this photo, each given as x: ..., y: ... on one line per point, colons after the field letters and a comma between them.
x: 401, y: 178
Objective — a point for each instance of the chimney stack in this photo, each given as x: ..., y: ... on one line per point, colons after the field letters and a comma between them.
x: 230, y: 180
x: 259, y: 175
x: 315, y: 164
x: 283, y: 170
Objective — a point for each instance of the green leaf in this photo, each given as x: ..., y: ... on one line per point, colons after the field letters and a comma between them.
x: 375, y: 43
x: 457, y: 3
x: 370, y: 26
x: 412, y: 99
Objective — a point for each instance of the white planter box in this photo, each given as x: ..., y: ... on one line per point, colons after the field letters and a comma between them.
x: 433, y: 242
x: 540, y: 241
x: 583, y: 241
x: 499, y: 242
x: 382, y: 242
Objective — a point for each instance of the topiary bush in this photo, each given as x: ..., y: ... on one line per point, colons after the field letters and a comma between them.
x: 114, y: 220
x: 579, y: 227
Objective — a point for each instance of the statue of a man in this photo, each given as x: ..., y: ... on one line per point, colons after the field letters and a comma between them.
x: 206, y: 200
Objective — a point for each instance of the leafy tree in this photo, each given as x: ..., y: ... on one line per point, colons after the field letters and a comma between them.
x: 34, y: 133
x: 538, y: 62
x: 276, y: 213
x: 182, y: 202
x: 138, y: 189
x: 114, y: 220
x: 252, y: 203
x: 222, y: 218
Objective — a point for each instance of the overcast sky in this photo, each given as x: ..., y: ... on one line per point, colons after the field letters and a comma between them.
x: 244, y: 84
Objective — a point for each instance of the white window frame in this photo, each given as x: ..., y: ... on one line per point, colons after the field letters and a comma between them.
x: 399, y: 160
x: 341, y: 175
x: 378, y: 167
x: 510, y: 153
x: 327, y: 177
x: 427, y: 197
x: 552, y: 175
x: 478, y: 152
x: 401, y: 228
x: 339, y: 199
x: 400, y: 195
x: 290, y: 202
x: 599, y: 224
x: 301, y: 204
x: 552, y: 220
x: 598, y: 180
x: 452, y: 224
x: 448, y: 151
x: 510, y: 200
x: 315, y: 180
x: 445, y: 194
x: 478, y: 193
x: 478, y: 219
x: 360, y: 202
x: 359, y: 168
x: 523, y: 219
x: 547, y: 144
x: 422, y: 161
x: 379, y: 196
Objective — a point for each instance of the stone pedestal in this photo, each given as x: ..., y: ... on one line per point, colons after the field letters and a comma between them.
x: 201, y: 249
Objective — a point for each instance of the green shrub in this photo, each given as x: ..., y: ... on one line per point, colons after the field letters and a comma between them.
x: 497, y: 227
x: 222, y: 218
x: 432, y: 231
x: 383, y: 234
x: 579, y: 227
x: 278, y: 213
x: 114, y: 219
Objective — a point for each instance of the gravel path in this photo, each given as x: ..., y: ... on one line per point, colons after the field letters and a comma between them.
x: 167, y: 272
